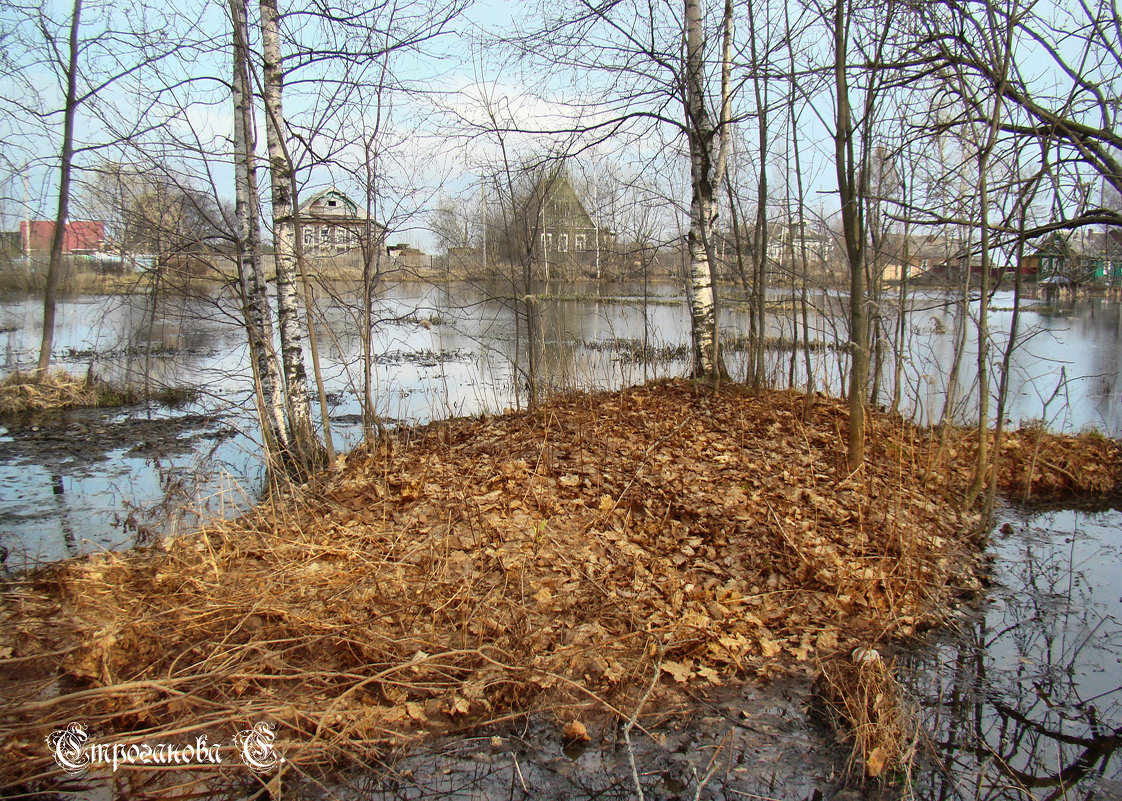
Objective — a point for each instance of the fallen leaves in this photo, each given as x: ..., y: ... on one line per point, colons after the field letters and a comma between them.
x: 575, y: 731
x: 679, y: 671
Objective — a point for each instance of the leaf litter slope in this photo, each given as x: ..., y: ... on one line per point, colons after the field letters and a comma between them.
x: 480, y: 568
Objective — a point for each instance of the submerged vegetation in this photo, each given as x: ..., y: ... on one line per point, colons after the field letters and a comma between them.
x: 479, y: 570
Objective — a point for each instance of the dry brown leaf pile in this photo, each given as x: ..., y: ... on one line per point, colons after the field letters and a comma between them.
x: 1040, y: 465
x: 482, y: 568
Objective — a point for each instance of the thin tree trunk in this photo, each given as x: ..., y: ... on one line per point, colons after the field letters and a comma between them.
x: 854, y: 245
x: 760, y: 251
x: 803, y: 301
x: 254, y: 291
x: 706, y: 173
x: 746, y: 285
x: 982, y: 463
x: 293, y: 333
x: 371, y: 261
x: 66, y: 160
x: 529, y: 308
x: 902, y: 307
x: 801, y: 199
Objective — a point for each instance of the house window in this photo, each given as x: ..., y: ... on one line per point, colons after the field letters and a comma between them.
x: 325, y: 234
x: 563, y: 242
x: 309, y: 235
x: 332, y: 203
x: 578, y: 242
x: 548, y: 242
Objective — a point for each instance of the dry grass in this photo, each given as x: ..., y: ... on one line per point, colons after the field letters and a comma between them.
x: 1036, y: 464
x: 21, y: 392
x: 477, y: 570
x: 869, y: 708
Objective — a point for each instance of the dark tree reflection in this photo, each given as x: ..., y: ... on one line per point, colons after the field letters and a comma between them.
x: 1025, y: 701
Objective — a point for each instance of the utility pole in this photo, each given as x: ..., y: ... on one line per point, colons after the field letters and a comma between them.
x: 26, y: 216
x: 596, y: 229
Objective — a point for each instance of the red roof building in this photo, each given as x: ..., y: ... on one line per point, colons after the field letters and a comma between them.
x: 79, y: 236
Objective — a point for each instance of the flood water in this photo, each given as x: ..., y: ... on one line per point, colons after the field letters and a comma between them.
x: 1022, y: 701
x: 85, y: 481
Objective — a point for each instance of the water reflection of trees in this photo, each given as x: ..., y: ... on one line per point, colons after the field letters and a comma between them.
x: 62, y: 509
x: 1026, y: 701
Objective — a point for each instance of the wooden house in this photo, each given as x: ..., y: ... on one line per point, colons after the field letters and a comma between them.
x: 1056, y: 259
x: 569, y: 240
x: 332, y: 224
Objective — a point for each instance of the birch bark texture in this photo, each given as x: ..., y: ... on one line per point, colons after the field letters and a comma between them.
x: 257, y: 310
x: 708, y: 156
x: 293, y: 333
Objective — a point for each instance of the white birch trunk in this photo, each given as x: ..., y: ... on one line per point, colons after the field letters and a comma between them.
x: 258, y: 314
x: 292, y: 329
x: 705, y: 178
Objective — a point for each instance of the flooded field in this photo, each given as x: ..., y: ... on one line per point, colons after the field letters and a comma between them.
x: 441, y: 351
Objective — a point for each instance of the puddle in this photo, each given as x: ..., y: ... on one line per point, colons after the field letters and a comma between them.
x: 1025, y: 700
x: 91, y: 479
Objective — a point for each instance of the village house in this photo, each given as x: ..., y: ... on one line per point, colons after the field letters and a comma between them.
x: 916, y: 255
x: 785, y: 239
x: 79, y: 237
x: 332, y: 224
x: 1057, y: 261
x: 569, y: 240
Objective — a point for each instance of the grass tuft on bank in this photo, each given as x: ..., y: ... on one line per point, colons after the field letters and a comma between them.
x: 21, y: 393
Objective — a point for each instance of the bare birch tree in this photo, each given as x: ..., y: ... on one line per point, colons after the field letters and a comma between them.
x: 708, y: 145
x: 307, y: 448
x: 255, y: 297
